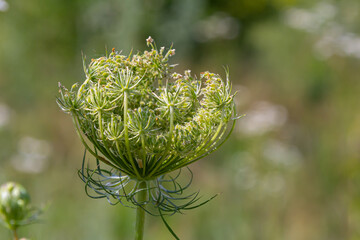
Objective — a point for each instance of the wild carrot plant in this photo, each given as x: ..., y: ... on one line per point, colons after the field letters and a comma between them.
x: 144, y: 121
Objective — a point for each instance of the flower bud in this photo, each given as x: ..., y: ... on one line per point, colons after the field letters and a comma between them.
x: 149, y: 40
x: 14, y: 203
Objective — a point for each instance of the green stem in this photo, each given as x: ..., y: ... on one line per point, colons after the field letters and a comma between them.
x: 126, y: 132
x: 144, y: 154
x: 140, y: 212
x: 100, y: 127
x: 15, y: 234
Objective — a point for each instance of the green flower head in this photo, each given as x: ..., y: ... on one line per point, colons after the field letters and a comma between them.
x: 137, y: 116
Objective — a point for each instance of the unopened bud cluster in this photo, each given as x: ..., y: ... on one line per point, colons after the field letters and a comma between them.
x: 144, y: 119
x: 14, y: 204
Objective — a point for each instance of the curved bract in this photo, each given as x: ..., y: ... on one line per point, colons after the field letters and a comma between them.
x: 145, y: 120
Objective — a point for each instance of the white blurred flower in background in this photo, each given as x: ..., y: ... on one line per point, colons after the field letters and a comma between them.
x: 261, y: 118
x: 272, y: 183
x: 4, y: 6
x: 32, y: 155
x: 217, y: 26
x: 311, y: 20
x: 282, y: 154
x: 336, y: 41
x: 323, y: 21
x: 248, y: 177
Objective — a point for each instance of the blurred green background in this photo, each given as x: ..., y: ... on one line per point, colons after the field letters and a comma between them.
x: 290, y: 171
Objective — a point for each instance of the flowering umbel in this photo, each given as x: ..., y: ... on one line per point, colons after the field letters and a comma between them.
x: 144, y: 121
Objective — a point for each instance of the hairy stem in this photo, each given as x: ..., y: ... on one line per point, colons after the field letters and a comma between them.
x: 140, y: 212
